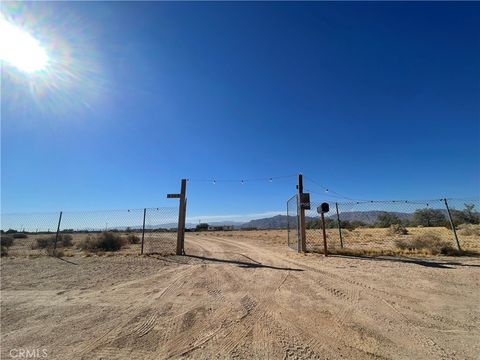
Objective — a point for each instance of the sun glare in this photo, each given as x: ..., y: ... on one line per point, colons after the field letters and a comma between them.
x: 20, y: 49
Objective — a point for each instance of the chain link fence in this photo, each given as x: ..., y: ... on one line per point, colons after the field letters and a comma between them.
x: 441, y: 226
x: 292, y: 223
x: 129, y: 231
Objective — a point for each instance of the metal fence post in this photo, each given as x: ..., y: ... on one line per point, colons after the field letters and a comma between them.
x: 143, y: 229
x: 339, y: 226
x: 452, y: 224
x: 56, y: 236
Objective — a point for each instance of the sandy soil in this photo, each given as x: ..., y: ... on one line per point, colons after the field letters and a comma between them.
x: 241, y: 297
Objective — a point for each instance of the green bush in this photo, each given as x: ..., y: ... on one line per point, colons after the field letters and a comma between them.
x: 386, y: 220
x: 106, y: 241
x: 426, y: 241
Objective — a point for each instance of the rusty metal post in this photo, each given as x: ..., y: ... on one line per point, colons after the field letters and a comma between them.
x: 56, y: 236
x: 325, y: 251
x: 143, y: 229
x: 339, y: 226
x: 452, y: 225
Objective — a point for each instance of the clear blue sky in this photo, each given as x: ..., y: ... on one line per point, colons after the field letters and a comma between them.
x: 372, y: 100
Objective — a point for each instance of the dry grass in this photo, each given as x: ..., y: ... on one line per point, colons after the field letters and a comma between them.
x: 371, y: 241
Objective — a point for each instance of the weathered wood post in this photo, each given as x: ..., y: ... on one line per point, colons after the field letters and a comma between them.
x: 301, y: 216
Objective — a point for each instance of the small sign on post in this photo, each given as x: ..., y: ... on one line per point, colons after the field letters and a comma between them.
x: 305, y: 201
x: 173, y: 196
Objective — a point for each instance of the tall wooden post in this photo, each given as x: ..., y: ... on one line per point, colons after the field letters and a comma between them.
x: 182, y: 211
x: 301, y: 216
x: 325, y: 251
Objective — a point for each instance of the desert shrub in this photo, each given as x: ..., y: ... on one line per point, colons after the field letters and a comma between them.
x: 469, y: 229
x: 429, y: 217
x: 386, y: 220
x: 106, y: 241
x: 133, y: 239
x: 3, y: 250
x: 397, y: 229
x: 64, y: 240
x: 19, y: 236
x: 6, y: 241
x: 55, y: 252
x: 426, y: 241
x: 11, y: 231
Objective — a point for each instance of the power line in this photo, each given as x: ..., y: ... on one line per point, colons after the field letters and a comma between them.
x: 327, y: 190
x: 242, y: 181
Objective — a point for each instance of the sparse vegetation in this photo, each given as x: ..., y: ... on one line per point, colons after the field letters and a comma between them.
x: 6, y: 241
x: 397, y: 229
x: 64, y: 240
x: 19, y: 236
x: 386, y: 220
x: 429, y: 217
x: 428, y: 241
x: 133, y: 239
x: 469, y: 229
x: 106, y: 241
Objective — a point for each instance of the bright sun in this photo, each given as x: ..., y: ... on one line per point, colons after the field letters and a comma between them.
x: 20, y: 49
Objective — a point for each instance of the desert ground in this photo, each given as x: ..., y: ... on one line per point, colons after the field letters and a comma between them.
x: 240, y: 295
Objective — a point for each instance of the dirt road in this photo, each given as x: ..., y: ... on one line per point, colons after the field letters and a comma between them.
x: 241, y: 298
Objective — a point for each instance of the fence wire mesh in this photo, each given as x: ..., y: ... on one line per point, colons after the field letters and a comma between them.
x: 90, y: 232
x: 292, y: 223
x: 396, y: 226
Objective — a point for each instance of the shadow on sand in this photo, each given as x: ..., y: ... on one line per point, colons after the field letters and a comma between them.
x: 422, y: 262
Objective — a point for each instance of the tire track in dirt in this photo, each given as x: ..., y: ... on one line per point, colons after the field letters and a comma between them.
x: 375, y: 295
x: 125, y: 328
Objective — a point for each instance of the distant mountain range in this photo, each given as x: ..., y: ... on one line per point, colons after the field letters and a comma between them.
x: 281, y: 221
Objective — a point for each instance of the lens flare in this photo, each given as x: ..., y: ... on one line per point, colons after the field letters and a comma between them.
x: 20, y: 49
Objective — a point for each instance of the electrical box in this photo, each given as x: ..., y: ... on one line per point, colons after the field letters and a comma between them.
x: 305, y: 201
x: 323, y: 208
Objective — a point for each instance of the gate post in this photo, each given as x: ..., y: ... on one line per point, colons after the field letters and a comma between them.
x: 182, y: 212
x: 301, y: 216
